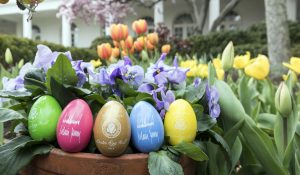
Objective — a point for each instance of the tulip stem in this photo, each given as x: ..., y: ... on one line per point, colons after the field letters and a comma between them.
x: 285, y: 132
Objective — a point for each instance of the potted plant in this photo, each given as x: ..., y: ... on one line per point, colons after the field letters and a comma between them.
x: 44, y: 92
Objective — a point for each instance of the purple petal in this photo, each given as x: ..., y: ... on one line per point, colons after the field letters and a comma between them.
x: 161, y: 78
x: 197, y: 82
x: 146, y: 88
x: 177, y: 76
x: 159, y: 103
x: 127, y: 61
x: 175, y: 62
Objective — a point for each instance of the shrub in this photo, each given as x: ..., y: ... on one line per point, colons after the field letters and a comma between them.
x: 22, y: 48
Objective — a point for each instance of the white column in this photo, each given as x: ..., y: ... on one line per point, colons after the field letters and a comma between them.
x: 108, y: 23
x: 214, y: 11
x: 159, y: 12
x: 291, y: 6
x: 66, y: 32
x: 27, y: 26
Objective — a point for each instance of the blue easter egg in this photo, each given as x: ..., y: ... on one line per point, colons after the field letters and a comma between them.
x: 147, y: 129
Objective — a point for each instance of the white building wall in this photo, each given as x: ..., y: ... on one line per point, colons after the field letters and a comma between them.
x: 50, y: 28
x: 86, y: 33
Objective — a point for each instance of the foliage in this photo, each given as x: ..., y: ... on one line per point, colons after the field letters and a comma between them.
x: 22, y: 48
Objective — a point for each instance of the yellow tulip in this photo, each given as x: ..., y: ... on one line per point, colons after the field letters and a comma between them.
x: 217, y: 63
x: 190, y: 64
x: 241, y: 61
x: 96, y: 63
x: 258, y: 68
x: 166, y: 48
x: 220, y: 73
x: 294, y: 64
x: 202, y: 70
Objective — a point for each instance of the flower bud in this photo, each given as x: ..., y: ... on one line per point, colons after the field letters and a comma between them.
x: 153, y: 38
x: 144, y: 55
x: 115, y: 52
x: 149, y: 45
x: 104, y: 50
x: 119, y: 32
x: 139, y: 44
x: 129, y: 42
x: 21, y: 63
x: 8, y: 56
x: 166, y: 48
x: 228, y: 56
x: 283, y: 100
x: 140, y: 26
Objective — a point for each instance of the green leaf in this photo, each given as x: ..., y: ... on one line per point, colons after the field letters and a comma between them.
x: 251, y: 170
x: 96, y: 97
x: 16, y: 95
x: 247, y: 94
x: 193, y: 94
x: 8, y: 114
x: 191, y: 150
x: 19, y: 152
x: 1, y: 133
x: 266, y: 122
x: 212, y: 74
x: 205, y: 122
x: 35, y: 79
x: 60, y: 93
x: 220, y: 140
x: 160, y: 164
x: 80, y: 92
x: 62, y: 71
x: 126, y: 89
x: 297, y: 162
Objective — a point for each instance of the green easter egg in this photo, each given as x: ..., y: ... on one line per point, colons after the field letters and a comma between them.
x: 43, y: 118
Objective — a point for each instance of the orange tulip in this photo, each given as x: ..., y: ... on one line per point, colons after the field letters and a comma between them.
x: 140, y: 26
x: 119, y: 32
x: 166, y: 48
x: 116, y: 44
x: 149, y: 45
x: 139, y: 43
x: 129, y: 42
x: 115, y: 52
x: 153, y: 38
x: 104, y: 50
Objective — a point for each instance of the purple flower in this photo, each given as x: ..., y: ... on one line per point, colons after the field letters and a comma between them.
x: 81, y: 68
x: 177, y: 75
x: 158, y: 72
x: 212, y: 96
x: 197, y: 82
x: 164, y: 104
x: 45, y: 58
x: 123, y: 70
x: 14, y: 84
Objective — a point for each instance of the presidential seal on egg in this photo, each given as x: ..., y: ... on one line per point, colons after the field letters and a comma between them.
x: 112, y: 129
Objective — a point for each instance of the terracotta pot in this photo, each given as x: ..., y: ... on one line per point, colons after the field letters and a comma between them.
x: 59, y: 162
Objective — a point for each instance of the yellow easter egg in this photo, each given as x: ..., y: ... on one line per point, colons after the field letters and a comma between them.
x: 180, y: 122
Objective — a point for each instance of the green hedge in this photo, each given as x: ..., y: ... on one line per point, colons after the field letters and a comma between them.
x: 253, y: 39
x: 25, y: 49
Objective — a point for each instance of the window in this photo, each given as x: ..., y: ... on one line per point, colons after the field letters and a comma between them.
x: 36, y: 32
x: 150, y: 22
x: 74, y: 34
x: 183, y: 26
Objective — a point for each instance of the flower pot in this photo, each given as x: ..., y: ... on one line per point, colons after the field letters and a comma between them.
x: 60, y: 162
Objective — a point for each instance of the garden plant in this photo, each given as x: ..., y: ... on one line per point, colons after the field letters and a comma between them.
x: 225, y: 113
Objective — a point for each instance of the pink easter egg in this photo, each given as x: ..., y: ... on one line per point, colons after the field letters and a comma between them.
x: 74, y: 127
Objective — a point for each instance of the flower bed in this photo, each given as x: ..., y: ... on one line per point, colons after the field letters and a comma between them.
x: 145, y: 103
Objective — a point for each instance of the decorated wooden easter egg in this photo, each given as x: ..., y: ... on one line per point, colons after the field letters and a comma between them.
x: 112, y: 129
x: 147, y: 129
x: 180, y: 122
x: 75, y: 126
x: 43, y: 117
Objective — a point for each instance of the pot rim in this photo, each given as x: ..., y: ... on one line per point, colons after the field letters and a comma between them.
x: 59, y: 152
